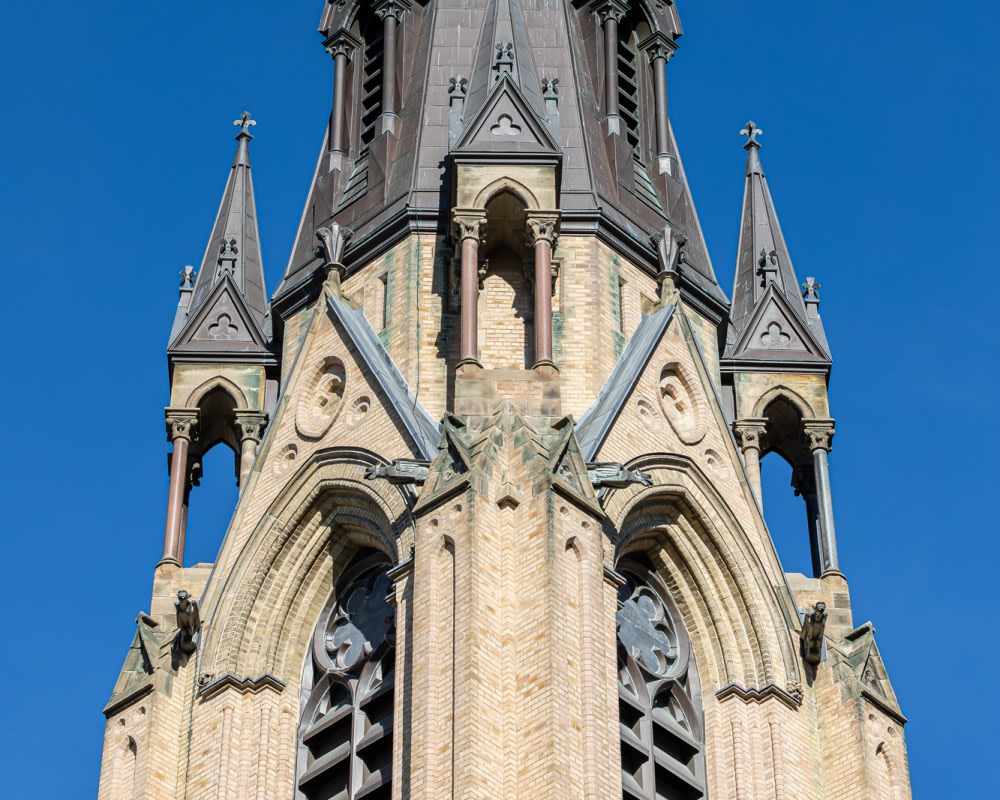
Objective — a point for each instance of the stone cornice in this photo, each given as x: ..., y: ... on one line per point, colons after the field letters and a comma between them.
x: 243, y: 686
x: 791, y: 698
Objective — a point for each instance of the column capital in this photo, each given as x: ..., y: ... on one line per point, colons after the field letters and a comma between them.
x: 610, y: 9
x: 342, y: 43
x: 391, y: 8
x: 818, y: 434
x: 658, y: 45
x: 468, y: 223
x: 182, y: 423
x: 542, y: 226
x: 250, y: 425
x: 750, y: 433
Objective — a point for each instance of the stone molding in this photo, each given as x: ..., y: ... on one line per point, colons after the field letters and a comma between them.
x: 819, y: 434
x: 791, y: 698
x: 243, y: 686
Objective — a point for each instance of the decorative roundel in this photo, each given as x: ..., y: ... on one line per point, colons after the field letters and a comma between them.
x: 285, y: 460
x: 357, y: 623
x: 319, y: 405
x: 651, y: 419
x: 681, y: 405
x: 648, y: 632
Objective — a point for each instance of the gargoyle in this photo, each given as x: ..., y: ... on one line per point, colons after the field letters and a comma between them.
x: 400, y: 472
x: 188, y: 622
x: 812, y: 634
x: 615, y: 476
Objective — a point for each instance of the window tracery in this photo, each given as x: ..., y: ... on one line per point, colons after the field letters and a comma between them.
x: 345, y: 734
x: 661, y: 727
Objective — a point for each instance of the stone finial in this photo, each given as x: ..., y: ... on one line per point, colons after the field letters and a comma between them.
x: 458, y: 87
x: 505, y: 58
x: 188, y: 276
x: 550, y: 89
x: 751, y: 131
x: 813, y: 627
x: 768, y: 264
x: 188, y: 622
x: 244, y: 123
x: 810, y: 291
x: 332, y: 241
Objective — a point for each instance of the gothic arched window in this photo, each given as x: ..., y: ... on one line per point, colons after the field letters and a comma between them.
x: 345, y: 736
x: 659, y: 696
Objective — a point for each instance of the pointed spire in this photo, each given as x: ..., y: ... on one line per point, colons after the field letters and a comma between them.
x: 233, y: 253
x: 504, y: 50
x: 763, y: 264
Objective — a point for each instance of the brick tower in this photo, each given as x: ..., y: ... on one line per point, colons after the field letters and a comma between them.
x: 498, y: 436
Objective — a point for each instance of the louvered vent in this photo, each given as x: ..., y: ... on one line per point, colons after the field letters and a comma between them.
x: 345, y: 739
x: 661, y: 732
x: 371, y: 82
x: 628, y: 87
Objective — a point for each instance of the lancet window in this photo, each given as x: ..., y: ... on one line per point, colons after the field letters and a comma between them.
x: 345, y: 735
x: 659, y: 696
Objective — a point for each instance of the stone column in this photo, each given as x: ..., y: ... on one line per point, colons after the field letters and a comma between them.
x: 819, y: 439
x: 389, y: 11
x: 610, y: 13
x: 542, y: 234
x: 182, y: 425
x: 340, y: 47
x: 659, y: 49
x: 469, y: 230
x: 750, y: 437
x: 250, y: 427
x: 804, y: 483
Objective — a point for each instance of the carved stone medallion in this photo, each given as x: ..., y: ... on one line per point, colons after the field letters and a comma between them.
x: 320, y: 404
x: 681, y: 404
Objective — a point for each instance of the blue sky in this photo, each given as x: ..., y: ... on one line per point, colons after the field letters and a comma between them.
x: 879, y: 129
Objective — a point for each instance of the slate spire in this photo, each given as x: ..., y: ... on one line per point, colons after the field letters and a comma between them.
x: 769, y: 320
x: 226, y: 309
x: 503, y: 50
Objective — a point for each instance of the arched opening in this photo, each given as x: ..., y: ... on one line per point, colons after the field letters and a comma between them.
x: 659, y: 694
x: 214, y: 476
x: 506, y: 308
x: 348, y: 689
x: 788, y: 486
x: 634, y: 89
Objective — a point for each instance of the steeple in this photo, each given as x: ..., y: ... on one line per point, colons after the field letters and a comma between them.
x: 224, y: 309
x: 769, y: 320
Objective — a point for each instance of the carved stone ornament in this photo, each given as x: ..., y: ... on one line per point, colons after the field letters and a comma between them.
x: 647, y: 632
x: 469, y: 226
x: 341, y: 43
x: 658, y: 45
x: 357, y: 624
x: 610, y: 9
x: 332, y: 241
x: 819, y: 434
x: 188, y: 276
x: 320, y: 404
x: 615, y: 476
x: 182, y: 423
x: 391, y: 8
x: 750, y: 433
x: 458, y: 87
x: 251, y: 425
x: 188, y: 622
x: 681, y: 405
x: 400, y: 472
x: 813, y: 627
x: 542, y: 228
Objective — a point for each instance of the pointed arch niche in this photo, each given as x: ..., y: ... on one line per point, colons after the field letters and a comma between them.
x: 348, y: 689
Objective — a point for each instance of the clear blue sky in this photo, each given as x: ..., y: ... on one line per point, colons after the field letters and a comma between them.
x: 879, y: 143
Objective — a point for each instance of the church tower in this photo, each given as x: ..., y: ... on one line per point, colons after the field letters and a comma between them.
x: 498, y: 436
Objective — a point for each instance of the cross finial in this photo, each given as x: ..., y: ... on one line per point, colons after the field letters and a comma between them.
x: 245, y: 123
x: 810, y: 290
x: 751, y: 131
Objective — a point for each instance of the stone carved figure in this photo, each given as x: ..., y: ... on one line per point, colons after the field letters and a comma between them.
x: 188, y: 622
x: 615, y: 476
x: 399, y: 472
x: 813, y: 627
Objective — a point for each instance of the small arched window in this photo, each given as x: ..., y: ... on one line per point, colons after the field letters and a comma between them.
x: 659, y: 695
x: 345, y: 734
